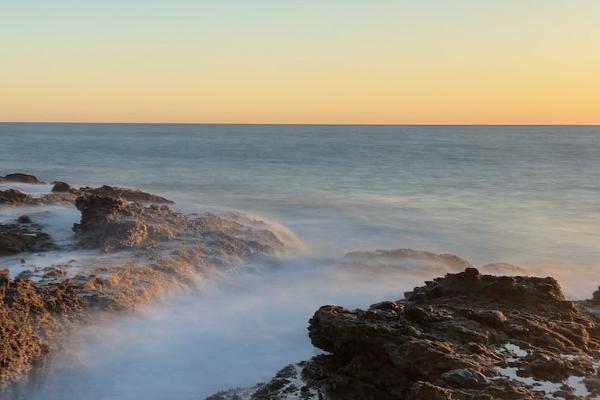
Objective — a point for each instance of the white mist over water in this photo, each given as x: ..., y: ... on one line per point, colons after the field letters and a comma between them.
x: 233, y: 331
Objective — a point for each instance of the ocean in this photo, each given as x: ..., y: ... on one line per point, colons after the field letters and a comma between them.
x: 525, y: 195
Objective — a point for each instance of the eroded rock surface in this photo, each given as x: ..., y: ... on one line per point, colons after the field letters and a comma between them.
x: 32, y: 318
x: 23, y: 237
x: 127, y: 194
x: 147, y: 250
x: 464, y: 336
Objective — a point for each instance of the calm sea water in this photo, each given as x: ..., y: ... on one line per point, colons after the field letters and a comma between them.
x: 526, y: 195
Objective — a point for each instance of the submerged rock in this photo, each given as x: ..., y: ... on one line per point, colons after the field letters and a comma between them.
x: 463, y: 336
x: 403, y: 261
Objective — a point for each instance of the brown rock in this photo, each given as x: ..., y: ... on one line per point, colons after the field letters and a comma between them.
x: 61, y: 187
x: 21, y: 178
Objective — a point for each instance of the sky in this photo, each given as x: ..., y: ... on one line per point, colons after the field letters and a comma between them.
x: 309, y: 61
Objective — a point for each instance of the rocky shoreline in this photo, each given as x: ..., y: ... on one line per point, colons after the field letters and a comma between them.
x: 463, y: 336
x: 140, y: 247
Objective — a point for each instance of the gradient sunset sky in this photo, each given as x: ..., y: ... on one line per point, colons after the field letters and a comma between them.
x: 328, y: 61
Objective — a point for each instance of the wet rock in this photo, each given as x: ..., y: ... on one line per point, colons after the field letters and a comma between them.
x: 113, y: 223
x: 14, y: 197
x: 464, y: 378
x: 427, y: 391
x: 16, y: 239
x: 30, y: 319
x: 61, y: 187
x: 21, y: 178
x: 172, y: 251
x: 126, y: 194
x: 464, y: 336
x: 24, y: 219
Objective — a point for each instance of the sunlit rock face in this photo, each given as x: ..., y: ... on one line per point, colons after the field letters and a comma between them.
x: 463, y: 336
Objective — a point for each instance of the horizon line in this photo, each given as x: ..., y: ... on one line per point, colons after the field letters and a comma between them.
x: 295, y: 123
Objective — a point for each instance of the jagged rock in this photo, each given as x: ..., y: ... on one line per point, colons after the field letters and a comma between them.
x: 465, y: 336
x: 61, y: 187
x: 16, y: 239
x: 172, y: 251
x: 288, y: 383
x: 31, y: 318
x: 464, y: 378
x: 21, y: 178
x: 127, y: 194
x: 113, y: 223
x: 443, y: 322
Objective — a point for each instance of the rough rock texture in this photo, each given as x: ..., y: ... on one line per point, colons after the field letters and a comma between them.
x: 150, y: 250
x: 21, y: 238
x: 464, y: 336
x: 127, y: 194
x: 31, y: 319
x: 21, y: 178
x: 114, y: 223
x: 288, y: 383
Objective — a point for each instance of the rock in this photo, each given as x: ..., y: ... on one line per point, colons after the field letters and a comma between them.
x: 16, y: 239
x: 14, y: 197
x: 24, y: 219
x: 172, y: 251
x: 30, y: 319
x: 596, y: 296
x: 21, y: 178
x: 126, y: 194
x: 457, y: 337
x: 61, y: 187
x: 464, y: 378
x: 112, y: 223
x: 427, y: 391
